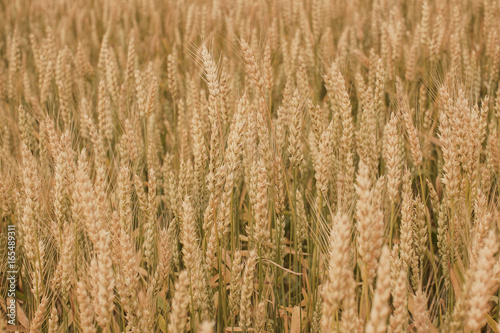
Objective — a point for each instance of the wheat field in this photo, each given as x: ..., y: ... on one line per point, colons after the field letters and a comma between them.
x: 249, y: 166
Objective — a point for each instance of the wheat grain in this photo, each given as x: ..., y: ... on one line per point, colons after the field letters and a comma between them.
x: 201, y: 165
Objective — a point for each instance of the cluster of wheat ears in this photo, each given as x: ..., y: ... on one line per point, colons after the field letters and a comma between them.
x: 251, y: 166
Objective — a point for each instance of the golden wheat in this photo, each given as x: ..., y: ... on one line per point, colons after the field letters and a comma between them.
x: 249, y: 166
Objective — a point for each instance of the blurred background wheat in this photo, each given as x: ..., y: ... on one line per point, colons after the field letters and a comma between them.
x: 251, y: 166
